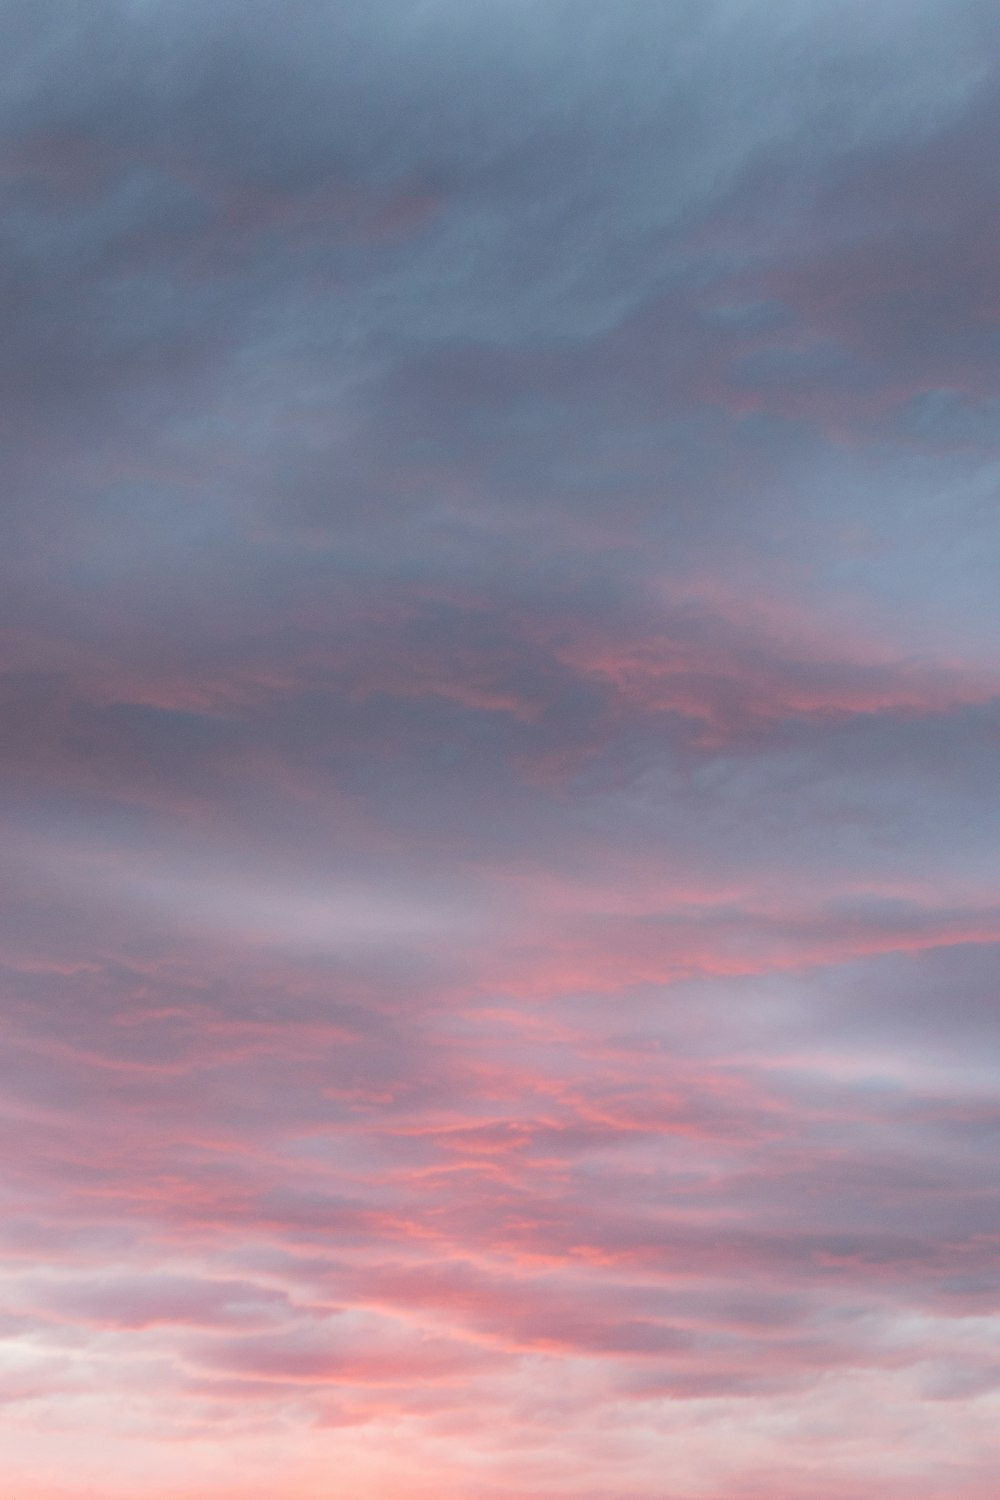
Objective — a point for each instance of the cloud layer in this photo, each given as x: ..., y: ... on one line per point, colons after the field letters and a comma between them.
x: 499, y: 714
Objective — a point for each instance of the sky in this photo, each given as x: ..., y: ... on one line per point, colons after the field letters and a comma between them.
x: 500, y: 737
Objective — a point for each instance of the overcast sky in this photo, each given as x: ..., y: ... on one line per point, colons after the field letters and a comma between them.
x: 500, y: 734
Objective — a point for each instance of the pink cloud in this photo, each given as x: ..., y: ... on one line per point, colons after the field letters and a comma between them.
x: 498, y: 725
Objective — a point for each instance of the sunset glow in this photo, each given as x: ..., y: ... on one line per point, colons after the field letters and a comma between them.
x: 500, y: 719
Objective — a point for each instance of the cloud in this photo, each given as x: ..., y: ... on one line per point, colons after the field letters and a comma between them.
x: 498, y: 722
